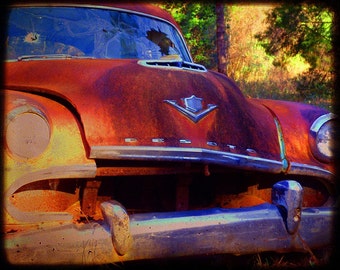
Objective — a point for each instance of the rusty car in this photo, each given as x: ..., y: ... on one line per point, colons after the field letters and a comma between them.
x: 118, y: 147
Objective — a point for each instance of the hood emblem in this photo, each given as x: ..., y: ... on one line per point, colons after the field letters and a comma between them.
x: 193, y: 107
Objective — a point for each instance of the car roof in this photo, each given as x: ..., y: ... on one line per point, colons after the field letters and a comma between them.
x: 136, y: 6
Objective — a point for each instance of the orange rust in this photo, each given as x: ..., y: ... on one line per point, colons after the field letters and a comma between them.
x: 118, y: 171
x: 254, y: 196
x: 42, y: 200
x: 79, y: 216
x: 89, y: 197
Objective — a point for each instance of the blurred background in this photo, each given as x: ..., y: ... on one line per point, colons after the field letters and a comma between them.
x: 278, y: 51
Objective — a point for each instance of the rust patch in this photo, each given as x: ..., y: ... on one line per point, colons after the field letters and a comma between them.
x: 80, y: 217
x: 89, y: 198
x: 254, y: 196
x: 43, y: 200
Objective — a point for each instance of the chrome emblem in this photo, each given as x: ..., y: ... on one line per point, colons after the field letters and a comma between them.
x: 193, y: 108
x: 193, y: 104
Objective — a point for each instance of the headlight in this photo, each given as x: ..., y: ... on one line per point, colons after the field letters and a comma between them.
x: 27, y: 132
x: 321, y: 137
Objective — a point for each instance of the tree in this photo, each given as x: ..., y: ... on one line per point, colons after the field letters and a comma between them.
x: 198, y: 23
x: 222, y: 42
x: 304, y: 30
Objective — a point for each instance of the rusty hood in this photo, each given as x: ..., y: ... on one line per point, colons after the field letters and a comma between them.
x: 125, y: 105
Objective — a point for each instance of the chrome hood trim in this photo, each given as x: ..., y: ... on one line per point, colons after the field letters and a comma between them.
x: 305, y: 169
x: 185, y: 154
x: 205, y: 156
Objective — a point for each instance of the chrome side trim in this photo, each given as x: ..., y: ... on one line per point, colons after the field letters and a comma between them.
x: 280, y: 137
x: 284, y: 159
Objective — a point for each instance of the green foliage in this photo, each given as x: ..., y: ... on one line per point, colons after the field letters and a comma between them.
x: 198, y: 23
x: 304, y: 30
x: 299, y: 29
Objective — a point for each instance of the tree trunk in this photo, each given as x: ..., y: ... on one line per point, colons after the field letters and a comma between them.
x: 222, y: 43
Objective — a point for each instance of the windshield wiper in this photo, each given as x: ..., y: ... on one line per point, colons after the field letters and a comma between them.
x: 49, y: 56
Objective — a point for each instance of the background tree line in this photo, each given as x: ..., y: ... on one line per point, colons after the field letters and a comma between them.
x: 272, y: 51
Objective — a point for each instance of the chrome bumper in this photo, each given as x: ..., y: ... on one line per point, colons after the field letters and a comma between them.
x: 280, y: 226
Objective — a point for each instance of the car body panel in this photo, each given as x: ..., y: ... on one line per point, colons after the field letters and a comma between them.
x: 118, y: 88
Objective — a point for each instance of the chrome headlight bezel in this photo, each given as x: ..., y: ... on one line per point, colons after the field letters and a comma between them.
x: 27, y: 132
x: 321, y: 137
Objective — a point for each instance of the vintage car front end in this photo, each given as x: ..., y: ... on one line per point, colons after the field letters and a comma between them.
x: 118, y: 148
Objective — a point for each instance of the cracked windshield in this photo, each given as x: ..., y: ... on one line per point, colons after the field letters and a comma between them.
x: 83, y: 32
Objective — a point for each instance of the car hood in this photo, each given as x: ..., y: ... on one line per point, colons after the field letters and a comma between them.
x: 122, y: 103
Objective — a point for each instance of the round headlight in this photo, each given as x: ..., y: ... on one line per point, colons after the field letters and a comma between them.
x: 321, y: 137
x: 27, y: 132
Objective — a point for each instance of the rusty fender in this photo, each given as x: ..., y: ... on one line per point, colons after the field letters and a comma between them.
x: 282, y: 226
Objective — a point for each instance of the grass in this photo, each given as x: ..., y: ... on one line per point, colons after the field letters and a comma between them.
x: 287, y: 90
x: 260, y: 261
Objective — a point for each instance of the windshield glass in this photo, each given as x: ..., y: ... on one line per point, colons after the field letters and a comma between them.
x: 90, y: 32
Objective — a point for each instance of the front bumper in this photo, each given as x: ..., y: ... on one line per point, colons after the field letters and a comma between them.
x: 282, y: 226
